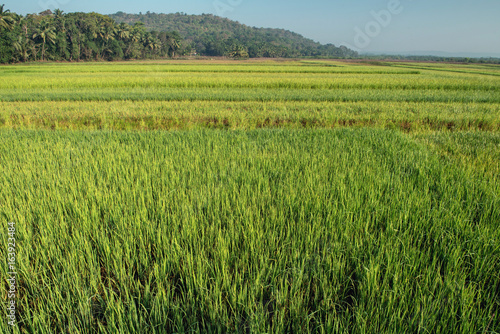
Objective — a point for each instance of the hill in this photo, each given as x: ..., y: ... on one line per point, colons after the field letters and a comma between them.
x: 211, y: 35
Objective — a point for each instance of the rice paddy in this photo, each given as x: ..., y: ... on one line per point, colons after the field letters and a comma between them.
x: 251, y: 197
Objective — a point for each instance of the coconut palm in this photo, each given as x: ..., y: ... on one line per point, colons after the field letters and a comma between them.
x: 22, y: 48
x: 6, y: 20
x: 238, y: 51
x: 148, y: 41
x: 45, y: 32
x: 123, y: 31
x: 58, y: 14
x: 107, y: 32
x: 173, y: 43
x: 60, y: 20
x: 135, y: 37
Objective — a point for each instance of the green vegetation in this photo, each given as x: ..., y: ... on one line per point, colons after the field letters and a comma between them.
x: 449, y: 59
x: 184, y: 115
x: 59, y: 36
x: 285, y: 197
x: 267, y: 231
x: 78, y: 36
x: 248, y: 95
x: 211, y: 35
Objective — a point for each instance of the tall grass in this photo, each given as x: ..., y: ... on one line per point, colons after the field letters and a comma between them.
x: 310, y: 231
x: 258, y: 94
x: 250, y: 82
x: 159, y: 80
x: 286, y: 223
x: 247, y: 115
x: 204, y: 67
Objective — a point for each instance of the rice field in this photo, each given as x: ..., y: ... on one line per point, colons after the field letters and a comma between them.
x: 251, y: 95
x: 251, y: 197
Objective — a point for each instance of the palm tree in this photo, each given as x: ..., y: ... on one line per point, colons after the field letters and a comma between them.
x: 123, y: 31
x: 148, y: 41
x: 46, y: 32
x: 155, y: 45
x: 173, y: 43
x: 60, y: 21
x: 22, y: 48
x: 6, y: 20
x: 238, y: 51
x: 106, y: 33
x: 135, y: 37
x: 24, y: 26
x: 58, y: 13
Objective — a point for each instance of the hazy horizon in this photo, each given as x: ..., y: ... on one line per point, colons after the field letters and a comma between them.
x: 449, y: 27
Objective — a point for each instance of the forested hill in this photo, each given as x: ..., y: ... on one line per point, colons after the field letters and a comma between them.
x: 216, y: 36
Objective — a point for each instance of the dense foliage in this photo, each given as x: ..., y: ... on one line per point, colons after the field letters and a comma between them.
x: 216, y: 36
x: 79, y: 36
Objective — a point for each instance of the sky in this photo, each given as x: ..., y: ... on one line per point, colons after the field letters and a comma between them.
x: 458, y: 27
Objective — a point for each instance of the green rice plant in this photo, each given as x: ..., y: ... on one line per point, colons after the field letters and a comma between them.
x: 310, y: 231
x: 260, y: 94
x: 340, y: 197
x: 296, y: 81
x: 168, y: 115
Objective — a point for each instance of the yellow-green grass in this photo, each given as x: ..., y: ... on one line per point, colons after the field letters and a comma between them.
x: 169, y: 115
x: 341, y: 197
x: 266, y: 231
x: 164, y: 86
x: 205, y: 66
x: 186, y: 95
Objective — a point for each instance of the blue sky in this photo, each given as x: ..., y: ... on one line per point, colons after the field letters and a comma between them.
x: 455, y: 26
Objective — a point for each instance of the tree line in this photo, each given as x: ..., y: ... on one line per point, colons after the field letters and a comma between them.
x: 439, y: 59
x: 58, y: 36
x: 211, y: 35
